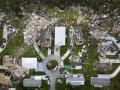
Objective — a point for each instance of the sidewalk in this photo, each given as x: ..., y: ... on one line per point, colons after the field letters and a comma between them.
x: 38, y: 51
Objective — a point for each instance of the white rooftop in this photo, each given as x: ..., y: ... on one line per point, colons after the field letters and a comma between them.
x: 60, y: 34
x: 12, y: 89
x: 37, y: 77
x: 29, y: 63
x: 75, y: 80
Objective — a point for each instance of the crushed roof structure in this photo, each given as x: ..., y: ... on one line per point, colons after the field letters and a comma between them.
x: 78, y: 36
x: 76, y: 60
x: 107, y: 48
x: 9, y: 61
x: 60, y: 35
x: 43, y: 38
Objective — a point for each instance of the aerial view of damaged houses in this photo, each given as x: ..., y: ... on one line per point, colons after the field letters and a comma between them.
x: 59, y: 44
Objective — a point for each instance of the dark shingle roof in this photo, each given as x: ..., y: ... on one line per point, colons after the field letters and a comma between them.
x: 96, y: 81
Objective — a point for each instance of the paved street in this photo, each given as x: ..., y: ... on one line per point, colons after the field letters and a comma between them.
x: 49, y: 51
x: 55, y: 73
x: 52, y: 74
x: 52, y: 83
x: 67, y: 52
x: 115, y: 72
x: 57, y: 50
x: 71, y: 45
x: 110, y: 75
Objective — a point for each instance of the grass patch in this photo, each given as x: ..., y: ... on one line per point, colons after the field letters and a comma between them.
x: 44, y: 50
x: 61, y: 86
x: 105, y: 26
x: 44, y: 86
x: 16, y: 42
x: 63, y: 49
x: 91, y: 56
x: 77, y: 49
x: 67, y: 15
x: 29, y: 53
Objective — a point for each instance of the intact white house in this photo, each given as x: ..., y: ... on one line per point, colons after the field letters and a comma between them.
x: 29, y: 63
x: 60, y: 35
x: 32, y: 63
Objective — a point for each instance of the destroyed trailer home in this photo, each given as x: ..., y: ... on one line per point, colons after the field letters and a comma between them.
x: 116, y: 28
x: 5, y: 80
x: 107, y: 48
x: 76, y: 62
x: 98, y: 34
x: 13, y: 65
x: 43, y: 38
x: 78, y: 36
x: 10, y: 32
x: 9, y: 61
x: 37, y: 31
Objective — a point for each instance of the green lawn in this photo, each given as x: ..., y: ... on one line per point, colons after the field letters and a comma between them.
x: 52, y: 64
x: 77, y: 49
x: 30, y: 52
x: 107, y: 25
x: 67, y: 15
x: 91, y: 55
x: 44, y: 86
x: 44, y: 50
x: 63, y: 49
x: 16, y: 42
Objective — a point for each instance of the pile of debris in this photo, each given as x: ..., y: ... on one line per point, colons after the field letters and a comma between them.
x: 98, y: 21
x: 107, y: 48
x: 98, y: 34
x: 36, y: 28
x: 78, y: 36
x: 14, y: 66
x: 2, y: 18
x: 116, y: 26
